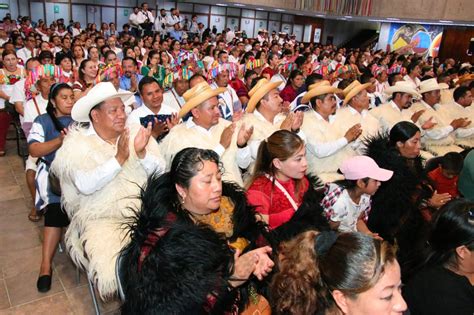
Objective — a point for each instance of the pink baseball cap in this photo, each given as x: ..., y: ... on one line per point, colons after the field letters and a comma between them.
x: 359, y: 167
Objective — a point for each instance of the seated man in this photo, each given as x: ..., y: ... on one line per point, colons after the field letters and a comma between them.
x: 205, y: 129
x: 392, y: 112
x: 327, y: 147
x: 152, y: 96
x: 460, y: 108
x: 101, y: 169
x: 174, y: 97
x: 229, y: 103
x: 438, y: 140
x: 356, y: 112
x: 264, y: 114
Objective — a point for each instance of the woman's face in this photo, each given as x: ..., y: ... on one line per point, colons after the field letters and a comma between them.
x: 298, y: 81
x: 384, y: 298
x: 411, y: 148
x: 90, y: 70
x: 155, y: 59
x: 137, y: 51
x: 66, y: 64
x: 78, y: 52
x: 64, y: 101
x: 94, y: 54
x: 10, y: 62
x: 131, y: 54
x: 164, y: 57
x: 177, y: 46
x: 156, y: 45
x: 294, y: 167
x: 205, y: 190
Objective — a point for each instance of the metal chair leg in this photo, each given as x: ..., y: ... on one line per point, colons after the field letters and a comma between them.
x: 94, y: 298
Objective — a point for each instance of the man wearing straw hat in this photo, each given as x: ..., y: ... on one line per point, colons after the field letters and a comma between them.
x: 460, y: 107
x: 101, y: 169
x: 393, y: 112
x: 440, y: 139
x: 263, y: 112
x: 207, y: 130
x: 356, y: 112
x: 327, y: 146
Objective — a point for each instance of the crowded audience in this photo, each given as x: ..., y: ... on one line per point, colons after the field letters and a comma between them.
x: 244, y: 175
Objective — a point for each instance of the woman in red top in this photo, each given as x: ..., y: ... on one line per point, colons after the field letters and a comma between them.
x: 279, y: 188
x: 272, y: 67
x: 295, y: 82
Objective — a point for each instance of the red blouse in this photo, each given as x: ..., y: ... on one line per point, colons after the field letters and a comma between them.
x: 268, y: 71
x: 288, y: 94
x: 270, y: 200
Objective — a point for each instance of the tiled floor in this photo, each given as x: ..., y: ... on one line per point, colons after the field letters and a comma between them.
x: 20, y: 255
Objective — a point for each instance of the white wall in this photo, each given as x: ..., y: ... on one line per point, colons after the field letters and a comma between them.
x: 344, y: 30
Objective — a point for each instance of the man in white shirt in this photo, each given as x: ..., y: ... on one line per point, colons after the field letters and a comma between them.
x: 440, y: 139
x: 264, y: 114
x: 172, y: 19
x: 112, y: 42
x: 229, y: 103
x: 207, y: 130
x: 76, y: 29
x: 414, y: 72
x: 133, y: 21
x: 145, y: 19
x: 173, y: 98
x: 152, y: 96
x: 160, y: 23
x: 101, y: 169
x: 29, y: 50
x: 461, y: 107
x: 356, y: 112
x: 229, y: 35
x: 326, y: 147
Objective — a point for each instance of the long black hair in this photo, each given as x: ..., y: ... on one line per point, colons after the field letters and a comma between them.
x: 50, y: 108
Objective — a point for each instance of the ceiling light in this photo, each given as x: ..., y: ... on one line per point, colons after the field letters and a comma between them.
x: 393, y: 19
x: 445, y: 21
x: 280, y: 10
x: 239, y: 5
x: 260, y: 9
x: 320, y: 15
x: 221, y: 4
x: 348, y: 16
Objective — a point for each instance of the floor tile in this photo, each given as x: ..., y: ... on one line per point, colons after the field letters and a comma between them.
x: 10, y: 192
x: 17, y: 262
x: 18, y: 240
x: 22, y: 287
x: 52, y: 305
x: 14, y: 206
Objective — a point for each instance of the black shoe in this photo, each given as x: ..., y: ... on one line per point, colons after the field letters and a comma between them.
x: 44, y: 283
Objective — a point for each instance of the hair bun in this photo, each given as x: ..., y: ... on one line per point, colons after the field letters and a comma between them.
x: 324, y: 241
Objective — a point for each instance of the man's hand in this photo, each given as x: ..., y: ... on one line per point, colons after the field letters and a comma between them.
x: 226, y: 135
x: 244, y: 135
x: 429, y: 124
x: 353, y: 133
x: 416, y: 115
x: 172, y: 121
x: 141, y: 140
x: 158, y: 129
x: 460, y: 123
x: 123, y: 151
x: 297, y: 121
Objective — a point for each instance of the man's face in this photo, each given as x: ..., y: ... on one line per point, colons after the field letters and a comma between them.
x: 327, y: 106
x: 338, y: 57
x: 44, y: 84
x: 30, y: 42
x: 249, y: 80
x: 224, y: 58
x: 181, y: 86
x: 221, y: 46
x: 152, y: 96
x: 135, y: 10
x: 145, y: 6
x: 432, y: 97
x: 129, y: 68
x: 111, y: 41
x: 207, y: 114
x: 100, y: 42
x: 110, y: 117
x: 272, y: 101
x: 361, y: 100
x: 67, y: 43
x: 466, y: 100
x: 222, y: 79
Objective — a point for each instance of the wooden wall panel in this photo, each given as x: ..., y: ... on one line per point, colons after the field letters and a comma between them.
x: 455, y: 43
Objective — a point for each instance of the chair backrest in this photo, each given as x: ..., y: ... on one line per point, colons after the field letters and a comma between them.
x: 118, y: 275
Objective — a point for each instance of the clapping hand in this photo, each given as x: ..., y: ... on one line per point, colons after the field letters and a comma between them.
x: 141, y: 140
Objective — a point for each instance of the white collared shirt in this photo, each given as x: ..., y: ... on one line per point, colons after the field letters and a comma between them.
x: 325, y: 149
x: 143, y: 111
x: 88, y: 182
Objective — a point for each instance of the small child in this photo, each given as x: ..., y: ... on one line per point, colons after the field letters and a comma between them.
x: 347, y: 202
x: 445, y: 176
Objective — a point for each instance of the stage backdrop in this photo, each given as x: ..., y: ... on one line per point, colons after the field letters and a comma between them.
x: 411, y: 38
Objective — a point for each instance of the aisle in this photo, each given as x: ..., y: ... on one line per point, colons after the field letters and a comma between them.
x: 20, y: 255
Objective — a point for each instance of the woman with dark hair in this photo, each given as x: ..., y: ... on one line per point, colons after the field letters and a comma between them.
x: 285, y: 198
x: 294, y: 83
x: 404, y: 203
x: 445, y: 284
x: 45, y: 138
x: 327, y: 273
x: 153, y: 67
x: 87, y: 74
x: 272, y: 68
x: 196, y: 246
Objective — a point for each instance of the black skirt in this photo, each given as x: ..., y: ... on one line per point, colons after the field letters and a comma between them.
x: 55, y: 216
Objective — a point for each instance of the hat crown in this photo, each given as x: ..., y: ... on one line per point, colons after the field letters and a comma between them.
x: 101, y: 89
x: 429, y: 85
x: 260, y: 84
x: 319, y: 83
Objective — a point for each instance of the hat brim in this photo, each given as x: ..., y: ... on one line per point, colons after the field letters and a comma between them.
x: 382, y: 175
x: 259, y: 94
x: 393, y: 89
x: 355, y: 91
x: 321, y: 90
x: 199, y: 99
x: 82, y: 108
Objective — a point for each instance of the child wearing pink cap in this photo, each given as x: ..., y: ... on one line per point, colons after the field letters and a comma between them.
x: 347, y: 202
